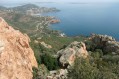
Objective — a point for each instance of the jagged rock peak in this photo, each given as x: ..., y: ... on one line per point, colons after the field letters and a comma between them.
x: 16, y: 56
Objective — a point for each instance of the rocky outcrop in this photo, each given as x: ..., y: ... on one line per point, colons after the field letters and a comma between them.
x: 76, y: 49
x: 46, y: 45
x: 107, y: 43
x: 16, y: 56
x: 53, y: 21
x: 58, y: 74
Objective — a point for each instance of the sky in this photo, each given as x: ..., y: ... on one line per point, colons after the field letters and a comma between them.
x: 14, y: 1
x: 82, y: 1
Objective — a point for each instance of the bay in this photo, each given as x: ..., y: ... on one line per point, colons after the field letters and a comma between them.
x: 86, y: 18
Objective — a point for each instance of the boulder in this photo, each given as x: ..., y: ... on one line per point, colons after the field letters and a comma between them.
x: 46, y: 45
x: 16, y: 56
x: 67, y: 55
x: 58, y: 74
x: 107, y: 43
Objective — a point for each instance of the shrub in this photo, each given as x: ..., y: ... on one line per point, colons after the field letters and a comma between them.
x: 83, y: 70
x: 50, y: 62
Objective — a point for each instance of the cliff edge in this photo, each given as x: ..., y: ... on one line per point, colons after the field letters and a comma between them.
x: 16, y: 56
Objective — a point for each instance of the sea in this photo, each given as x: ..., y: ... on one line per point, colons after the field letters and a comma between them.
x: 85, y: 18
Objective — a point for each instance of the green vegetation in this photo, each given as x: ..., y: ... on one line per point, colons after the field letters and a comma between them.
x: 23, y: 8
x: 50, y: 62
x: 46, y: 55
x: 58, y: 43
x: 96, y: 67
x: 83, y: 70
x: 28, y: 9
x: 100, y: 65
x: 26, y: 23
x: 40, y: 73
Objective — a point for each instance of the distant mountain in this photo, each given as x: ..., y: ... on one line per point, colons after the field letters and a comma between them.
x: 2, y: 8
x: 29, y: 9
x: 25, y: 7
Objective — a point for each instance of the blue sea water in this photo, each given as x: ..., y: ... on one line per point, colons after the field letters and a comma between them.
x: 86, y: 18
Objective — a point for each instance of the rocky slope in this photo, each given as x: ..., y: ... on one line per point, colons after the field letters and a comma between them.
x: 67, y: 58
x: 16, y: 56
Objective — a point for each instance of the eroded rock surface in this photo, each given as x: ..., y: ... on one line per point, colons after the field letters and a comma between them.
x: 16, y: 56
x: 107, y: 43
x: 68, y: 55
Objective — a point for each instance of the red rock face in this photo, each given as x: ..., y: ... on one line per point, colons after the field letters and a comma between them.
x: 16, y: 56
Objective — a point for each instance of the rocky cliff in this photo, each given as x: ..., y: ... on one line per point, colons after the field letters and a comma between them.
x: 16, y: 56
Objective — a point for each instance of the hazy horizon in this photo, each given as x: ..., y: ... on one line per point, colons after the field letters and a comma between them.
x: 25, y: 1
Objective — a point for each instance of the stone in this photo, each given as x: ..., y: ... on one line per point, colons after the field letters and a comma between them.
x: 107, y: 43
x: 58, y: 74
x: 16, y: 57
x: 76, y: 49
x: 46, y: 45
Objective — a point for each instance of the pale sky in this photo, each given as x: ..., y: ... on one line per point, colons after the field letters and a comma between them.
x: 14, y: 1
